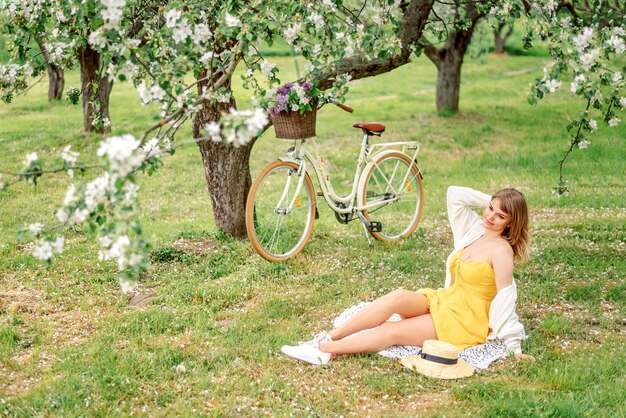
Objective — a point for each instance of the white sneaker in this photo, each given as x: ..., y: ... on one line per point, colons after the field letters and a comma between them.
x: 322, y: 337
x: 308, y: 353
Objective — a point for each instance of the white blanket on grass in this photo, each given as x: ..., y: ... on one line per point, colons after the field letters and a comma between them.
x: 479, y: 356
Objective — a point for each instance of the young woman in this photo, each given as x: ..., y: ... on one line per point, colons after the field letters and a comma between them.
x: 479, y: 292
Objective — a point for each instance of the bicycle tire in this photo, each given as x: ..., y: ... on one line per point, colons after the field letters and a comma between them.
x: 400, y: 216
x: 277, y: 234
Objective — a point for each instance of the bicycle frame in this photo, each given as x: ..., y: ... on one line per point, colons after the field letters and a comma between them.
x: 367, y: 156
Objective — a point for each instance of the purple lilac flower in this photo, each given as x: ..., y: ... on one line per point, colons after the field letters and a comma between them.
x: 307, y: 85
x: 281, y: 104
x: 284, y: 89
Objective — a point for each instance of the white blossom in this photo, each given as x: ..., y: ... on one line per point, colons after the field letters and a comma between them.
x: 171, y: 17
x: 97, y: 39
x: 552, y: 85
x: 617, y: 44
x: 31, y: 158
x: 622, y: 101
x: 330, y: 4
x: 62, y: 215
x: 201, y: 33
x: 78, y: 216
x: 69, y: 156
x: 593, y: 125
x: 291, y: 33
x: 583, y: 144
x: 35, y: 228
x: 43, y: 250
x: 151, y: 148
x: 120, y: 151
x: 214, y: 130
x: 617, y: 76
x: 127, y: 286
x: 588, y: 60
x: 618, y: 30
x: 231, y: 21
x: 614, y: 122
x: 266, y: 69
x: 317, y: 20
x: 57, y: 245
x: 181, y: 32
x: 96, y: 190
x: 117, y: 249
x: 147, y: 95
x: 582, y: 40
x: 113, y: 12
x: 206, y: 57
x: 550, y: 5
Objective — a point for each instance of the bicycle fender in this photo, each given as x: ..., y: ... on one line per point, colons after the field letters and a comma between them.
x: 363, y: 179
x: 287, y: 159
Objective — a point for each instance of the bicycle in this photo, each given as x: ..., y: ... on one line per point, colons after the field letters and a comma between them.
x: 386, y: 195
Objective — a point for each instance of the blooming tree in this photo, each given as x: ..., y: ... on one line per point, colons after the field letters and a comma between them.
x: 52, y: 35
x: 156, y: 46
x: 587, y: 41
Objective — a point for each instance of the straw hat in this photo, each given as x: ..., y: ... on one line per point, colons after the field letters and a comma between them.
x: 438, y: 359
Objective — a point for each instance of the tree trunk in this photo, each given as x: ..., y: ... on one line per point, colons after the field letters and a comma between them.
x: 500, y: 38
x: 449, y: 61
x: 56, y: 80
x: 226, y: 169
x: 95, y: 88
x: 449, y: 82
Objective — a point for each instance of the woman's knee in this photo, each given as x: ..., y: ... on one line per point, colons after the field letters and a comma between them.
x: 392, y: 333
x: 400, y: 294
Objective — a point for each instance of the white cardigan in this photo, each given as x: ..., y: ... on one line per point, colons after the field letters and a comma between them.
x: 467, y: 227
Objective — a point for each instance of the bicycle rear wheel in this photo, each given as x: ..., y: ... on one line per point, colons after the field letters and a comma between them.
x: 279, y: 217
x: 394, y: 186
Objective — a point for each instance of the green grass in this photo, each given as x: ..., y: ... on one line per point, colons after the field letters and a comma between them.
x: 208, y: 343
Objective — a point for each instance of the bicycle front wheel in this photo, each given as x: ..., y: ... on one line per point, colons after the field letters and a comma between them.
x: 394, y: 196
x: 280, y: 211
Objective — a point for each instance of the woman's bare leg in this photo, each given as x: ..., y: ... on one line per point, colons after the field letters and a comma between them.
x: 405, y: 303
x: 411, y: 331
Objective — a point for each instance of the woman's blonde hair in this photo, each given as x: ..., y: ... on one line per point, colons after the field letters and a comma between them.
x: 513, y: 203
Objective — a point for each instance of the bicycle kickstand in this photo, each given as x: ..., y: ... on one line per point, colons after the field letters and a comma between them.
x: 365, y: 224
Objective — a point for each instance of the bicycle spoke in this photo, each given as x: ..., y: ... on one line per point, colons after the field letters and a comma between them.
x: 393, y: 196
x: 280, y: 211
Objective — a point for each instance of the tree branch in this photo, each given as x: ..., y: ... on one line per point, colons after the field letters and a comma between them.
x: 359, y: 66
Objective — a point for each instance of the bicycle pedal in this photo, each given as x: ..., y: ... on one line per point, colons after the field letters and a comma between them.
x: 375, y: 226
x: 320, y: 193
x: 317, y: 214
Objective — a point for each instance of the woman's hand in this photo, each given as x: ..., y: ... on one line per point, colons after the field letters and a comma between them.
x: 525, y: 357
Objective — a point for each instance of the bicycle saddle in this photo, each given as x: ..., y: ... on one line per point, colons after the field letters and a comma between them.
x: 370, y: 126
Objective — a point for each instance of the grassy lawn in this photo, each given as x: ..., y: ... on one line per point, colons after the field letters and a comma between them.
x: 208, y: 343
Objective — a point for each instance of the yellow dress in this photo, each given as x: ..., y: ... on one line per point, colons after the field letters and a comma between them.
x: 460, y: 312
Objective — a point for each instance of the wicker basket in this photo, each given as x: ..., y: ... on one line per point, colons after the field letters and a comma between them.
x: 293, y: 125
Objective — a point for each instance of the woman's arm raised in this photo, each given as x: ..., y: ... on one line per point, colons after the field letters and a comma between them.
x: 460, y: 214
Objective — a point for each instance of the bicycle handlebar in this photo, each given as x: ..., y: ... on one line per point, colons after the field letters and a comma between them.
x: 340, y: 105
x: 344, y: 107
